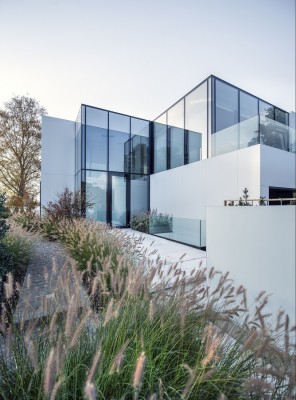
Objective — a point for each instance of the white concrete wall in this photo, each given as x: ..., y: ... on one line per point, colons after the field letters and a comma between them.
x: 186, y: 191
x: 57, y: 157
x: 257, y: 246
x: 278, y: 169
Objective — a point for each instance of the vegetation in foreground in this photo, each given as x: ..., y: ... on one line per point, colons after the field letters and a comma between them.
x: 143, y: 331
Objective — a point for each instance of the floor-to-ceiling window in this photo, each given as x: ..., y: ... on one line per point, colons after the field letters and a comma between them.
x: 112, y: 164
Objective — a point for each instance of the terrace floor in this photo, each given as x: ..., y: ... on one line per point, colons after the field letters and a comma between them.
x: 171, y: 252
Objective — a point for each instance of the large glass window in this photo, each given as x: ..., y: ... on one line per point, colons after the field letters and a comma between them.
x: 119, y: 134
x: 139, y: 162
x: 160, y: 147
x: 248, y: 106
x: 177, y: 147
x: 194, y: 146
x: 139, y: 193
x: 96, y: 194
x: 96, y: 138
x: 196, y: 119
x: 226, y: 105
x: 176, y: 115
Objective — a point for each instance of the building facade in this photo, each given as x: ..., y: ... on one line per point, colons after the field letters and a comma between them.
x: 211, y: 144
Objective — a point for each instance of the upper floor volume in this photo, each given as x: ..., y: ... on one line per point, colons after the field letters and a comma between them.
x: 212, y: 119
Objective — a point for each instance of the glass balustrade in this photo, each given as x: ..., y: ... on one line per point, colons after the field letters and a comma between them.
x: 252, y: 131
x: 184, y: 230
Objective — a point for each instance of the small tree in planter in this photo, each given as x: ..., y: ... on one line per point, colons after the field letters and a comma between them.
x: 243, y: 201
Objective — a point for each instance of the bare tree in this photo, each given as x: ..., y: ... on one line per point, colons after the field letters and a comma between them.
x: 20, y: 144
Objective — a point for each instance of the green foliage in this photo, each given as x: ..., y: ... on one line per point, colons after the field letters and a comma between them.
x: 140, y: 221
x: 27, y: 220
x: 148, y: 221
x: 19, y: 243
x: 243, y: 201
x: 141, y: 339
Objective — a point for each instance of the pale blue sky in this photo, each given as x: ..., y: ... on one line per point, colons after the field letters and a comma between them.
x: 140, y: 56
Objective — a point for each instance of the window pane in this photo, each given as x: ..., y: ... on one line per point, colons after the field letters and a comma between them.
x: 281, y: 116
x: 96, y: 190
x: 176, y: 115
x: 266, y: 109
x: 82, y: 137
x: 139, y: 193
x: 194, y: 146
x: 160, y: 147
x: 119, y: 128
x: 248, y: 106
x: 139, y: 146
x: 226, y: 105
x: 78, y: 147
x: 118, y: 200
x: 177, y: 147
x: 96, y: 138
x: 196, y: 114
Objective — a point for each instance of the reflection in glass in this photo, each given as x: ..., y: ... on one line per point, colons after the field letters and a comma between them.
x: 96, y: 192
x: 274, y: 133
x: 139, y: 154
x: 139, y: 162
x: 194, y: 146
x: 248, y: 106
x: 266, y: 109
x: 176, y: 115
x: 281, y: 116
x: 139, y: 193
x: 226, y: 105
x: 96, y: 138
x: 119, y: 128
x: 177, y: 147
x: 160, y: 147
x: 118, y: 200
x: 196, y: 114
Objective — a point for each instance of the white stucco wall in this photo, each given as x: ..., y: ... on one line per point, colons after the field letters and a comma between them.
x: 257, y: 246
x: 186, y: 191
x: 278, y: 169
x: 57, y: 157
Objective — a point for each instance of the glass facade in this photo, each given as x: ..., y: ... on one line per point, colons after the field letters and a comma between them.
x: 196, y: 119
x: 110, y: 150
x: 96, y: 138
x: 115, y: 153
x: 226, y: 105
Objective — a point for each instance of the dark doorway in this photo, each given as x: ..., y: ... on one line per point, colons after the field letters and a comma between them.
x: 281, y: 193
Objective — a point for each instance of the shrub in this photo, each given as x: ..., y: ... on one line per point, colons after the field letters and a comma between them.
x: 19, y: 243
x: 69, y: 205
x: 27, y: 220
x: 146, y: 221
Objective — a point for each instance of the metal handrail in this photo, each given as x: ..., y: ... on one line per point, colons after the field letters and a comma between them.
x: 262, y: 200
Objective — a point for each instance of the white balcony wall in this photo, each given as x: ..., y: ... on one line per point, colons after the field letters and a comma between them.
x: 187, y: 190
x: 278, y: 169
x: 57, y: 157
x: 257, y: 246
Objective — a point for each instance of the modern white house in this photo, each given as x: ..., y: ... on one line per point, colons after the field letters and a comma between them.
x: 189, y: 162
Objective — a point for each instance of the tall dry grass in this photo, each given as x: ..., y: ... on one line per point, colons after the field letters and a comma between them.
x: 153, y: 335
